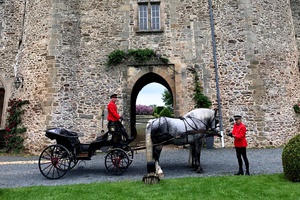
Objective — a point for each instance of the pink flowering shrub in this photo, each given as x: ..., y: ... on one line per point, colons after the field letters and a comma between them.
x: 143, y: 110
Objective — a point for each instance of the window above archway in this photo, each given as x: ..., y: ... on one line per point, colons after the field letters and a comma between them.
x: 149, y: 16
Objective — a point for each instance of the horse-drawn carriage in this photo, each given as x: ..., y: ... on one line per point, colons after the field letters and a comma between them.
x: 56, y: 160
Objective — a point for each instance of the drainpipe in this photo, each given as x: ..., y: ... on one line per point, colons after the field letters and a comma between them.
x: 216, y: 68
x: 20, y: 40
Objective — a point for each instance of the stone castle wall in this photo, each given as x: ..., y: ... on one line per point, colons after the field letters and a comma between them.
x: 259, y: 75
x: 65, y: 46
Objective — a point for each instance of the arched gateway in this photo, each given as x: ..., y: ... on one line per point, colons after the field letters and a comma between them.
x: 138, y: 77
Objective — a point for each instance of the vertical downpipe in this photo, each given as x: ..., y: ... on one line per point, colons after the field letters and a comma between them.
x: 216, y: 68
x: 17, y: 58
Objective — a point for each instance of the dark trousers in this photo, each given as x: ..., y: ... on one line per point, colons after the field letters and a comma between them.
x: 241, y: 152
x: 119, y: 127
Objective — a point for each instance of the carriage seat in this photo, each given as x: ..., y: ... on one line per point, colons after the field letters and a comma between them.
x: 63, y: 136
x: 61, y: 132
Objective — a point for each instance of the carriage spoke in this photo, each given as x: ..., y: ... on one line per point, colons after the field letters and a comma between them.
x: 49, y: 170
x: 54, y: 161
x: 116, y: 161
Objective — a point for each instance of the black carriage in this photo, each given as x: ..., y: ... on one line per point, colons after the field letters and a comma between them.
x: 56, y: 160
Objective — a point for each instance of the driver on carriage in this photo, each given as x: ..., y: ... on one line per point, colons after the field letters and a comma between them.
x: 113, y: 117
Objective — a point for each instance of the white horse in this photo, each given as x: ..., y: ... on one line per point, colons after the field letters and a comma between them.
x: 190, y: 129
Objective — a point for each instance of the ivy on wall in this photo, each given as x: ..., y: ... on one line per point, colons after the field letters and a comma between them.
x: 201, y: 101
x: 134, y: 55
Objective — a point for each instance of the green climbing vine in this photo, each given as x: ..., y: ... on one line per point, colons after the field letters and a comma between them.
x: 201, y: 101
x: 136, y: 55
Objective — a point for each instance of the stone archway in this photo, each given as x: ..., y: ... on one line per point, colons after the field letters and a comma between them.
x: 137, y: 78
x: 143, y: 81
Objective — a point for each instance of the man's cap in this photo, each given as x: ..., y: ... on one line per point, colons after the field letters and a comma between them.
x: 114, y: 96
x: 236, y: 117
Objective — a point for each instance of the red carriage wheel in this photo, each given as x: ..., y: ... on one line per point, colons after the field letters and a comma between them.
x: 117, y: 161
x: 54, y: 161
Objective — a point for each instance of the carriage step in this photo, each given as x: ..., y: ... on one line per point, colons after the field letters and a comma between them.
x: 83, y: 156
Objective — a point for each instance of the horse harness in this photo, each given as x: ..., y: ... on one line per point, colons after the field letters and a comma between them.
x: 188, y: 124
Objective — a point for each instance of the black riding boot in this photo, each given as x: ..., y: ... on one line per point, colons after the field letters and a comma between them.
x: 240, y: 172
x: 247, y: 167
x: 247, y: 171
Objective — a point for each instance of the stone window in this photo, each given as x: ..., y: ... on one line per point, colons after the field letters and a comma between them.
x: 149, y: 15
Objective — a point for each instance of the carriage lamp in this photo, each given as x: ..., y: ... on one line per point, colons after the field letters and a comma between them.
x: 18, y: 82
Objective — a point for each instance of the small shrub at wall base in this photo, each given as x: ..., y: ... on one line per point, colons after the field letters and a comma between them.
x: 291, y: 159
x: 13, y: 131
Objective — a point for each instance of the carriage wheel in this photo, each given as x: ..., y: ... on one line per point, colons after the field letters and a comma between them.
x: 130, y: 153
x: 54, y: 161
x: 117, y: 161
x: 73, y: 160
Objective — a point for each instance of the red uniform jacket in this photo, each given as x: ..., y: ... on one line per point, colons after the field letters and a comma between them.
x: 112, y: 112
x: 239, y: 133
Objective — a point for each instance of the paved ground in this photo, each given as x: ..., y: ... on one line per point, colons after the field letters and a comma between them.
x: 24, y: 171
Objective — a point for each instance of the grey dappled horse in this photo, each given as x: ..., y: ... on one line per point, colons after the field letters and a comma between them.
x: 189, y: 129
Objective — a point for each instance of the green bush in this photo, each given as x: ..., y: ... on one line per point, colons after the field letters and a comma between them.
x: 165, y: 112
x: 158, y: 109
x: 137, y: 55
x: 116, y: 57
x: 156, y: 115
x: 141, y: 55
x: 291, y: 159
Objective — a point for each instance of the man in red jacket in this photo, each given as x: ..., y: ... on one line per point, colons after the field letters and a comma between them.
x: 240, y: 143
x: 113, y: 117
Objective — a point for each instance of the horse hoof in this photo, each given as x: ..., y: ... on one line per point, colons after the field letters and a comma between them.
x: 161, y: 175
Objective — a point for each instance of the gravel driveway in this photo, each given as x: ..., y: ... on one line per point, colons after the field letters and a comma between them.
x: 23, y: 171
